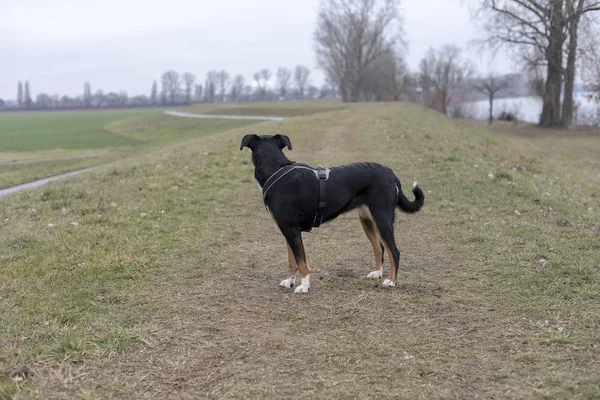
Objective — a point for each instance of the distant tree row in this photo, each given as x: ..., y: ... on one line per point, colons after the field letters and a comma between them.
x: 184, y: 89
x: 219, y: 87
x: 99, y: 99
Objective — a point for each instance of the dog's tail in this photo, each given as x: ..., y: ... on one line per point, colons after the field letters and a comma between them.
x: 410, y: 206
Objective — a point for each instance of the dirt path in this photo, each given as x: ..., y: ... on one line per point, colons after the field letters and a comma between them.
x: 40, y: 182
x: 8, y: 163
x: 221, y: 116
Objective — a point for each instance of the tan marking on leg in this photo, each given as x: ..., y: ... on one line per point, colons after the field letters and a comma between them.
x: 364, y: 212
x: 292, y: 261
x: 392, y: 263
x: 370, y: 230
x: 303, y: 267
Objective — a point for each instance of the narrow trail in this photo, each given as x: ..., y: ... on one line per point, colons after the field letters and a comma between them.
x: 79, y: 157
x: 218, y: 116
x: 40, y: 182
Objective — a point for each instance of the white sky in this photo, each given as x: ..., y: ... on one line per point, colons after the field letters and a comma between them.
x: 126, y: 44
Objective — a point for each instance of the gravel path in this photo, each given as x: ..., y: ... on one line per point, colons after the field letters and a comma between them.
x: 18, y: 162
x: 256, y: 117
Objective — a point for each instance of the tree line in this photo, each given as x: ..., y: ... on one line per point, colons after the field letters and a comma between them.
x: 219, y: 87
x: 359, y: 45
x: 186, y: 89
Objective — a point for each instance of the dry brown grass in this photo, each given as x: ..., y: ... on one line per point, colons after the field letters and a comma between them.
x: 475, y: 315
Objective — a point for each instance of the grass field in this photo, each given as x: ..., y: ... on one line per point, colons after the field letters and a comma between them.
x: 65, y: 141
x: 76, y: 130
x: 157, y: 276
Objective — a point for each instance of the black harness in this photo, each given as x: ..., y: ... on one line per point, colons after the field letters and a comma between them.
x: 323, y: 175
x: 320, y: 172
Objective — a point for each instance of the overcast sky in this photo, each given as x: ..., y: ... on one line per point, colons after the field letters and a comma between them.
x: 126, y: 44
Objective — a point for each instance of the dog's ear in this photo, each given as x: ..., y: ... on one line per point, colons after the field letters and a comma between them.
x: 248, y: 141
x: 283, y: 141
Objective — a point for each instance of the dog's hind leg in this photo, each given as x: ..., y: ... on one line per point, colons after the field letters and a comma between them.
x: 289, y: 282
x: 370, y: 229
x: 385, y: 224
x: 294, y: 239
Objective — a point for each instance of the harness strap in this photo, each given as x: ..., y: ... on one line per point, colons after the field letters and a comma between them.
x: 290, y: 167
x: 322, y: 174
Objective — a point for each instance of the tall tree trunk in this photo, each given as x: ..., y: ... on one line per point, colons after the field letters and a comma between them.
x: 354, y: 92
x: 443, y: 97
x: 491, y: 108
x: 551, y: 110
x: 567, y: 111
x: 344, y: 90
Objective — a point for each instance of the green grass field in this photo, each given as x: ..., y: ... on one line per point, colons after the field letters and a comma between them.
x: 75, y: 130
x: 52, y: 139
x: 157, y: 276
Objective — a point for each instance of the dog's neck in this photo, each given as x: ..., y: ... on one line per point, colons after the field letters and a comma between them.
x: 268, y: 166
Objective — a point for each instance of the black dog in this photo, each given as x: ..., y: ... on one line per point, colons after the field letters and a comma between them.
x: 291, y: 195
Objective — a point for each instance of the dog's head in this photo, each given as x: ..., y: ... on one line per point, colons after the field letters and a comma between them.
x: 265, y: 147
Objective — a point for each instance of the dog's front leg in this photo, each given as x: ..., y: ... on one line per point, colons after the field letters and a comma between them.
x: 294, y: 240
x: 289, y: 282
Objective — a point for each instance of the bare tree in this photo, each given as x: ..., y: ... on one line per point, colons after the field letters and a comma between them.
x: 535, y: 66
x: 351, y: 35
x: 247, y: 92
x: 87, y: 95
x: 188, y: 80
x: 212, y: 79
x: 266, y: 75
x: 237, y: 88
x: 402, y: 81
x: 332, y: 85
x: 27, y: 96
x: 20, y: 94
x: 383, y: 79
x: 153, y: 94
x: 491, y: 86
x: 301, y: 74
x: 545, y: 26
x: 445, y: 73
x: 99, y: 98
x: 284, y: 75
x: 223, y: 79
x: 259, y: 87
x: 531, y: 23
x: 262, y: 78
x: 164, y: 90
x: 171, y: 84
x: 198, y: 93
x: 575, y: 10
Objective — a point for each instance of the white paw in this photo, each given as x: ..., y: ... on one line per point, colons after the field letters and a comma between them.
x: 288, y: 283
x: 375, y: 274
x: 304, y: 285
x: 301, y: 289
x: 388, y: 283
